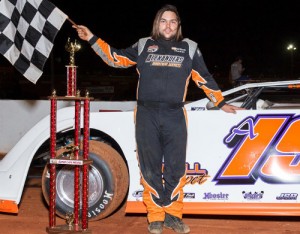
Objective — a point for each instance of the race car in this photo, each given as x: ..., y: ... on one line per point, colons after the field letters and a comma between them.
x: 246, y: 163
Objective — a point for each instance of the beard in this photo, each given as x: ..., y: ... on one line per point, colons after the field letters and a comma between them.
x: 167, y: 38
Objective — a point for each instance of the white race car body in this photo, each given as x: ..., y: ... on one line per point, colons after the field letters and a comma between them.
x: 246, y: 163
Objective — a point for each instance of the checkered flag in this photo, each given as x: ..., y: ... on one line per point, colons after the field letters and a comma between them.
x: 27, y: 32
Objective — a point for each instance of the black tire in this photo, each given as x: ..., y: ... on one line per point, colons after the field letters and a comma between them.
x: 108, y: 183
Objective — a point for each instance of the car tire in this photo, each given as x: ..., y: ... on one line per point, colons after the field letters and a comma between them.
x: 108, y: 183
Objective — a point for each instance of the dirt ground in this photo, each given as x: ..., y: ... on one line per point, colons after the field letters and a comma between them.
x: 33, y: 219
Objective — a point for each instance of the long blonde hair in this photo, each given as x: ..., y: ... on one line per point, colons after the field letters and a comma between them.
x: 155, y: 29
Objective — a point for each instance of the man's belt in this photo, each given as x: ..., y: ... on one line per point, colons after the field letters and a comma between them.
x: 154, y: 104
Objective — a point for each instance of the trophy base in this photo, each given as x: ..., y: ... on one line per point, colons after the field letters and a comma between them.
x: 66, y: 229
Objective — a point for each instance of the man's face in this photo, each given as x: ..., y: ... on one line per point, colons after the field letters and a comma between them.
x: 168, y: 25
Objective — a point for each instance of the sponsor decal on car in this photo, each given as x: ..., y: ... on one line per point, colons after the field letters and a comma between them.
x: 195, y: 175
x: 253, y: 196
x: 138, y: 194
x: 215, y: 196
x: 189, y: 195
x: 263, y: 147
x: 197, y: 108
x: 287, y: 196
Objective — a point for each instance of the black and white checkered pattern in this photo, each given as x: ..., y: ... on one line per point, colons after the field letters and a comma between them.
x: 27, y: 32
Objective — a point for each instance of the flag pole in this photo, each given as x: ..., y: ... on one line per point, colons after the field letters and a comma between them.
x: 72, y: 22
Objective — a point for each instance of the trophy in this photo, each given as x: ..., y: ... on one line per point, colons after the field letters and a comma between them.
x: 72, y: 155
x: 72, y: 48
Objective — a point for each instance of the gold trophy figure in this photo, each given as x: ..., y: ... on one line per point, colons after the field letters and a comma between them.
x: 72, y: 48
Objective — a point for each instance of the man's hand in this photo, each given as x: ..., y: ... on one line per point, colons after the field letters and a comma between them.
x: 83, y: 32
x: 231, y: 109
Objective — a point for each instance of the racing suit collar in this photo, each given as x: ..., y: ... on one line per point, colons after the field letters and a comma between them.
x: 166, y: 42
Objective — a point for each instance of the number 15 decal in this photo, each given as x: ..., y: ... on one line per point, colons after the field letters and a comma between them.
x: 265, y: 147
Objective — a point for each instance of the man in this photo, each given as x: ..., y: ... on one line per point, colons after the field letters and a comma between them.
x: 236, y: 71
x: 165, y: 63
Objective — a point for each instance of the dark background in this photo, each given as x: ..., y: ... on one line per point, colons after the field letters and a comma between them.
x: 259, y: 31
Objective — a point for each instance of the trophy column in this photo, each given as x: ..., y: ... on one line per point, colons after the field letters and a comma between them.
x: 76, y: 154
x: 71, y: 80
